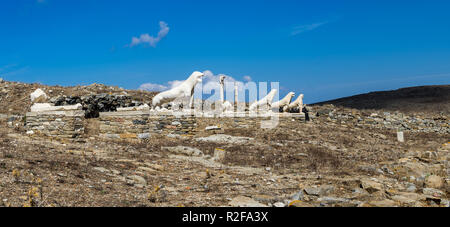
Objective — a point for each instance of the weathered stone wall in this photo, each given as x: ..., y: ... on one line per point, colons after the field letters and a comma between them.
x: 65, y: 124
x: 142, y: 124
x: 168, y: 123
x: 126, y: 124
x: 246, y: 120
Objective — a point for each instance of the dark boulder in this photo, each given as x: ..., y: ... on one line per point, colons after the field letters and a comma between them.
x: 94, y: 104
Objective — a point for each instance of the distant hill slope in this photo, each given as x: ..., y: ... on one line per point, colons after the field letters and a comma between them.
x: 427, y: 99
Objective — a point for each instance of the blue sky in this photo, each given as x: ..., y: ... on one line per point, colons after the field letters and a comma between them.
x: 324, y: 49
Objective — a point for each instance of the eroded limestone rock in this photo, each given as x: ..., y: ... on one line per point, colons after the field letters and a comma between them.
x: 38, y: 96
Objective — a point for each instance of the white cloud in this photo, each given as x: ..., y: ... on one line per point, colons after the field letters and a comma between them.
x: 175, y: 83
x: 211, y: 82
x: 304, y: 28
x: 152, y: 87
x: 152, y: 41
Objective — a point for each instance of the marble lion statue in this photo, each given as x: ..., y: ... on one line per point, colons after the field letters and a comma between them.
x: 283, y: 102
x: 266, y: 101
x: 184, y: 90
x: 295, y: 106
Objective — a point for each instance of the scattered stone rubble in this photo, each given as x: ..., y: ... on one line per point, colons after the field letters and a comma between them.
x: 396, y: 121
x: 221, y: 138
x: 94, y: 104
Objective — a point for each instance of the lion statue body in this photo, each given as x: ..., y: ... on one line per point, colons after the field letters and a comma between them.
x: 184, y: 90
x: 266, y: 101
x: 297, y: 104
x: 276, y: 106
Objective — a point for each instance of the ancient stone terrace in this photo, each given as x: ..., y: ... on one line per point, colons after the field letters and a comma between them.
x: 141, y: 123
x: 132, y: 123
x: 62, y: 123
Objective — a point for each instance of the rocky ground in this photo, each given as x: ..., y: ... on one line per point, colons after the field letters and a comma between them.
x: 320, y: 163
x: 340, y: 158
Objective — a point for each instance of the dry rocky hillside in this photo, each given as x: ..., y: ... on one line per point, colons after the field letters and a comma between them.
x: 341, y: 157
x: 15, y: 96
x: 425, y: 99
